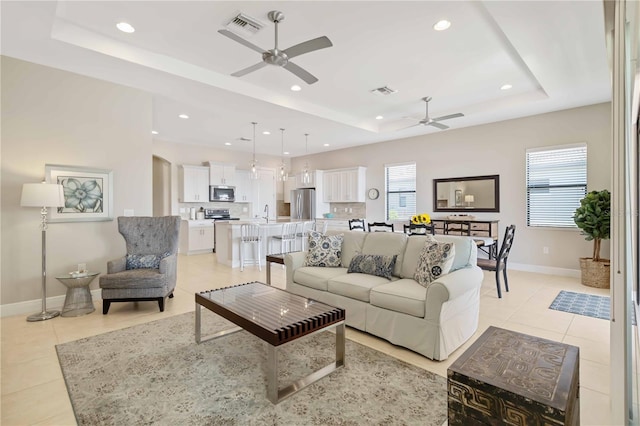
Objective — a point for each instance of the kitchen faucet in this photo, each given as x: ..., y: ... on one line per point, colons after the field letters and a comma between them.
x: 266, y: 210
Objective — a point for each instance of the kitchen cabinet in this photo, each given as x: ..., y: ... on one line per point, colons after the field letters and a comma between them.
x: 345, y: 185
x: 244, y: 187
x: 196, y: 236
x: 315, y: 179
x: 289, y: 185
x: 193, y: 184
x: 221, y: 173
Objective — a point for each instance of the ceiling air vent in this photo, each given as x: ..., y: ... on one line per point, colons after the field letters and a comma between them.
x: 244, y: 25
x: 384, y: 91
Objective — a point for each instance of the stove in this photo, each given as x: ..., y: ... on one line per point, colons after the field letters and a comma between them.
x: 218, y: 214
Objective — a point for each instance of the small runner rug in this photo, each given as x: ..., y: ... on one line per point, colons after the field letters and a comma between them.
x: 155, y: 373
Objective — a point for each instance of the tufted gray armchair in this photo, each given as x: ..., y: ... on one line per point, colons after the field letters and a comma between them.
x: 148, y: 271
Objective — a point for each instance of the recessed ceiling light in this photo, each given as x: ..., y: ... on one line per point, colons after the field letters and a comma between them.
x: 379, y: 117
x: 296, y: 88
x: 227, y: 143
x: 441, y: 25
x: 183, y: 116
x: 125, y: 27
x: 506, y: 87
x: 326, y: 144
x: 154, y: 132
x: 266, y: 132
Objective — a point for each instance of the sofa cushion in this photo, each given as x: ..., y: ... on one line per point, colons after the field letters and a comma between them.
x: 355, y: 286
x: 466, y: 253
x: 316, y: 277
x: 435, y: 260
x: 324, y: 250
x: 405, y: 295
x: 351, y: 244
x: 387, y: 244
x: 373, y: 264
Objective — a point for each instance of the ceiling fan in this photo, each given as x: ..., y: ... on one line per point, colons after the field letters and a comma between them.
x: 279, y: 57
x: 428, y: 121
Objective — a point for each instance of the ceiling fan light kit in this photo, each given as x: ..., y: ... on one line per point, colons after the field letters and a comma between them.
x: 279, y: 57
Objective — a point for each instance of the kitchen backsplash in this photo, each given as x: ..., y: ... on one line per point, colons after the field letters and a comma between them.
x: 353, y: 210
x: 235, y: 209
x: 283, y: 209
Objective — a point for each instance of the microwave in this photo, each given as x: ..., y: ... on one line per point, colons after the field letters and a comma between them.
x: 222, y: 193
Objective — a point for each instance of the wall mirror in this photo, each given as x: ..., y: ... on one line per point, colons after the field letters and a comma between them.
x: 465, y: 194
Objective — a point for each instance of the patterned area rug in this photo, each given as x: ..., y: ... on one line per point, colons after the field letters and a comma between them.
x: 589, y: 305
x: 155, y: 373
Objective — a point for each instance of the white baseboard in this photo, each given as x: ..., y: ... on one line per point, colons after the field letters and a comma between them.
x: 34, y: 306
x: 548, y: 270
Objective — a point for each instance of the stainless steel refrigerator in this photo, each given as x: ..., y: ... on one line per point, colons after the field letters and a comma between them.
x: 303, y: 204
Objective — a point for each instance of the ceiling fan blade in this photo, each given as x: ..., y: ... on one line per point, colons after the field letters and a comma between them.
x: 415, y: 125
x: 247, y: 70
x: 301, y: 72
x: 438, y: 125
x: 446, y: 117
x: 308, y: 46
x: 240, y: 40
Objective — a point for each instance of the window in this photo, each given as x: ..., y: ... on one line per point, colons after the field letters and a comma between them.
x: 401, y: 191
x: 556, y: 182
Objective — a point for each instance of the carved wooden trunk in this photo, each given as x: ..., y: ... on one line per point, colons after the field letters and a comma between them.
x: 509, y: 378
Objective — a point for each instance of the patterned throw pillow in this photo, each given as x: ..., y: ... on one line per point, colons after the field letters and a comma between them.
x: 435, y: 261
x: 145, y: 261
x: 373, y: 264
x: 324, y: 250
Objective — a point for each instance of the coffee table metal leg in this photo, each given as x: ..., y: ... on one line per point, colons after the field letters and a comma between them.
x: 199, y: 338
x: 276, y: 396
x: 268, y: 272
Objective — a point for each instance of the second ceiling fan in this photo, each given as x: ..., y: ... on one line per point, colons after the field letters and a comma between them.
x: 428, y: 121
x: 279, y: 57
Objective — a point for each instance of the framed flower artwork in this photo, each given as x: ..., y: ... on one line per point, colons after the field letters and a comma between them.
x: 88, y: 193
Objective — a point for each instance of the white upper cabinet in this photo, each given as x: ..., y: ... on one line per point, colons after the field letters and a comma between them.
x: 221, y: 173
x: 244, y: 187
x: 345, y: 185
x: 315, y: 179
x: 193, y: 184
x: 289, y: 185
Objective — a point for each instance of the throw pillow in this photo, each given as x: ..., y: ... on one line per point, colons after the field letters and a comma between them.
x: 145, y: 261
x: 324, y: 250
x: 435, y: 261
x: 373, y: 264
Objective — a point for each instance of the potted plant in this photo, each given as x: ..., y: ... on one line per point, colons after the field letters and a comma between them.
x: 593, y: 217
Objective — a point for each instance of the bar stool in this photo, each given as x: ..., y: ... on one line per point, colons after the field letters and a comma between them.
x: 287, y: 239
x: 305, y: 228
x: 250, y: 236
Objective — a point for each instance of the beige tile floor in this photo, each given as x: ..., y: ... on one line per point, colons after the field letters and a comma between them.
x: 33, y: 390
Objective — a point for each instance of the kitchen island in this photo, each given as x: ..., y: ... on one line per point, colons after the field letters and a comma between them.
x: 228, y: 240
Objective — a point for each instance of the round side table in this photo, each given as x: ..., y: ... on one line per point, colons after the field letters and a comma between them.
x: 78, y: 300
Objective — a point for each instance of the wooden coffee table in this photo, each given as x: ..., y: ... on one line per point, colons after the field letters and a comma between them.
x: 277, y: 317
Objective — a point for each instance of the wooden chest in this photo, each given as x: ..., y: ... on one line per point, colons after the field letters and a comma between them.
x: 509, y: 378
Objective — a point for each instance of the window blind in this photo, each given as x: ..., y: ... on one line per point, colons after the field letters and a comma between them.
x: 556, y: 182
x: 401, y: 191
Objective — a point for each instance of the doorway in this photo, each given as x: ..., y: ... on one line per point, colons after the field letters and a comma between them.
x: 161, y: 187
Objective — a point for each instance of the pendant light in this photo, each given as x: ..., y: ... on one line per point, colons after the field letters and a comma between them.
x: 282, y: 175
x: 254, y: 163
x: 306, y: 177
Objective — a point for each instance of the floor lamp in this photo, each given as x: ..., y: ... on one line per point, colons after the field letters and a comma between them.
x: 43, y: 195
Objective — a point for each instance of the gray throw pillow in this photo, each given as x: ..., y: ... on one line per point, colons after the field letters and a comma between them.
x: 324, y: 250
x: 373, y: 264
x: 435, y: 261
x: 145, y: 261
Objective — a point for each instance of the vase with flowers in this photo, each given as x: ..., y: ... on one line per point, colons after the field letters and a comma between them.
x: 420, y: 219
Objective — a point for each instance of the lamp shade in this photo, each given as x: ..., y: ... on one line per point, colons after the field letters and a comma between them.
x: 468, y: 198
x: 42, y: 195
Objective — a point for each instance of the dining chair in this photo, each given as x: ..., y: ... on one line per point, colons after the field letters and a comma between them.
x: 500, y: 262
x: 380, y: 227
x: 356, y: 224
x: 419, y: 229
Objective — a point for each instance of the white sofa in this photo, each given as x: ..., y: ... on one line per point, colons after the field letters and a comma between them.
x: 432, y: 321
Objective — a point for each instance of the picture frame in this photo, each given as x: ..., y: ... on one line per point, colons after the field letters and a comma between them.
x: 458, y: 197
x: 88, y: 193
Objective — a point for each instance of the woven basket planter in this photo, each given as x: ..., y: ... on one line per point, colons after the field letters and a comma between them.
x: 595, y: 274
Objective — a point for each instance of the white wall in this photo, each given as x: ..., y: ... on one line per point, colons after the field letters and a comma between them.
x: 497, y: 148
x: 51, y: 116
